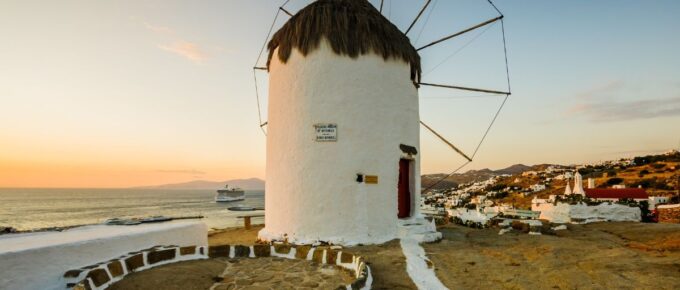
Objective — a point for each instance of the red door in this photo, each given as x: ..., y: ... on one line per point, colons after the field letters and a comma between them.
x: 404, y: 198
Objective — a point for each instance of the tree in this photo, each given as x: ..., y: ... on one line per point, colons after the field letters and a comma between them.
x: 645, y: 183
x: 658, y: 165
x: 641, y: 160
x: 643, y: 172
x: 615, y: 180
x: 644, y: 211
x: 496, y: 187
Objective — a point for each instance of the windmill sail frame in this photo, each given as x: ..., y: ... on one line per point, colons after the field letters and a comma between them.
x: 263, y: 124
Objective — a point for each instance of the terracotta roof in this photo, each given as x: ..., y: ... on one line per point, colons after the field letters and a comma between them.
x: 634, y: 193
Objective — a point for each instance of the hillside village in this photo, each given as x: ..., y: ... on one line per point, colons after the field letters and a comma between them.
x: 645, y: 182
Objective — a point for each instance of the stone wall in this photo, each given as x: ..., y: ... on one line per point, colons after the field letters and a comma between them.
x: 582, y: 213
x: 102, y: 275
x: 324, y: 255
x: 669, y: 213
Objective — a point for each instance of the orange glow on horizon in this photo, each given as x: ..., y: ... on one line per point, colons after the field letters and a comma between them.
x: 60, y: 175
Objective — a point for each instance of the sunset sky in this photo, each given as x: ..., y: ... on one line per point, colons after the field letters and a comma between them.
x: 127, y: 93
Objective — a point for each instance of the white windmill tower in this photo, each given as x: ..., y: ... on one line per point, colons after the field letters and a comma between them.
x: 343, y: 128
x: 578, y: 184
x: 567, y: 190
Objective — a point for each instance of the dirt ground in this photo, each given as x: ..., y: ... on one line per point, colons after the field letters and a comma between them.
x: 387, y: 262
x: 234, y: 236
x: 594, y: 256
x: 190, y: 275
x: 388, y: 265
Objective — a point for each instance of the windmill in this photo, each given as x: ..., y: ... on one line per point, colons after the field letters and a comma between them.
x: 344, y: 103
x: 422, y: 12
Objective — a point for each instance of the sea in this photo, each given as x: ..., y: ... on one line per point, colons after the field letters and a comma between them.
x: 31, y: 209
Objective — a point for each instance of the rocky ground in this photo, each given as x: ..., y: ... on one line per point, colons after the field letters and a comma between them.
x: 190, y: 275
x: 388, y: 265
x: 247, y: 274
x: 239, y: 274
x: 594, y: 256
x: 280, y: 273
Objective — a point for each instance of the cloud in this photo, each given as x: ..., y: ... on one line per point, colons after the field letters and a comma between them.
x: 601, y: 90
x: 188, y: 50
x: 605, y: 102
x: 182, y: 171
x: 608, y: 111
x: 177, y: 45
x: 158, y: 29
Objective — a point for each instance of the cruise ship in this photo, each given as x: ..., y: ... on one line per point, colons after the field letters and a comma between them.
x: 227, y: 194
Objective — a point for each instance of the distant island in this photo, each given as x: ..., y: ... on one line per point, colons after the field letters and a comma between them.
x: 247, y: 184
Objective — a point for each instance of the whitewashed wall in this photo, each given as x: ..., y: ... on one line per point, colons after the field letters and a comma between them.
x: 39, y: 260
x: 311, y: 192
x: 567, y: 213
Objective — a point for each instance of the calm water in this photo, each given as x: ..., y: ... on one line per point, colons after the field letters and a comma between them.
x: 26, y: 209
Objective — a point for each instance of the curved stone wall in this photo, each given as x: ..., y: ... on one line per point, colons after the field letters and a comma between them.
x: 102, y: 275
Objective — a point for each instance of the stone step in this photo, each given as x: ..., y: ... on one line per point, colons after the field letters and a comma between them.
x: 419, y: 229
x: 427, y: 237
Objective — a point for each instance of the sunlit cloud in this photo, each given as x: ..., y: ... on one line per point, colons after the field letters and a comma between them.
x: 188, y: 50
x: 601, y: 90
x: 158, y: 29
x: 604, y: 103
x: 608, y: 111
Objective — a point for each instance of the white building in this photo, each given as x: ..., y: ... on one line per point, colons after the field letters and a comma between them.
x: 529, y: 173
x: 567, y: 190
x: 538, y: 187
x: 656, y: 200
x: 343, y: 162
x: 578, y: 184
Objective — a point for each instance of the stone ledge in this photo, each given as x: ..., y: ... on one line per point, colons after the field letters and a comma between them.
x: 102, y: 275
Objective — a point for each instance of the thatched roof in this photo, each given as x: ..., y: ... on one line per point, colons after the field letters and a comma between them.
x: 352, y: 27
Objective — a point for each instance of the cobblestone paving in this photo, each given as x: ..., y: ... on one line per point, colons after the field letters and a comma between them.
x: 279, y: 273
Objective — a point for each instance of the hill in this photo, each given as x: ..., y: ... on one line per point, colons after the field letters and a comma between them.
x: 247, y: 184
x: 659, y: 175
x: 470, y: 176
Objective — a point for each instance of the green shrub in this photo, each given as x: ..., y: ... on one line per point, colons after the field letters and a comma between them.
x: 643, y: 172
x: 658, y: 165
x: 496, y: 187
x: 645, y: 183
x: 615, y: 180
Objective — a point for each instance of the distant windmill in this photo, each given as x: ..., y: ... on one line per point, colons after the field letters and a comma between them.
x: 343, y: 125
